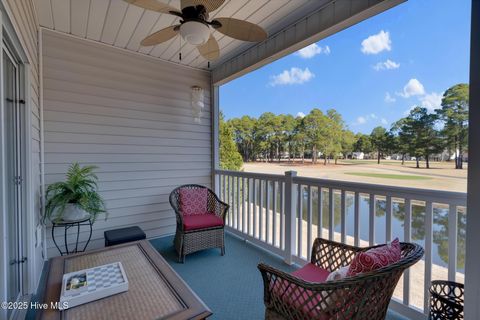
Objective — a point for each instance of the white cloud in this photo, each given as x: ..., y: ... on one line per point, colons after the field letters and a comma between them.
x: 389, y: 98
x: 377, y: 43
x: 384, y: 121
x: 387, y: 65
x: 361, y: 120
x: 364, y: 119
x: 292, y: 76
x: 431, y: 101
x: 412, y: 88
x: 301, y: 114
x: 313, y: 50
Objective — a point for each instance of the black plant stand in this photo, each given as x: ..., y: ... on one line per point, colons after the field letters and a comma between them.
x: 87, y: 221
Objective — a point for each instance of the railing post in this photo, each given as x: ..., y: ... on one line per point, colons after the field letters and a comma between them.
x: 290, y: 216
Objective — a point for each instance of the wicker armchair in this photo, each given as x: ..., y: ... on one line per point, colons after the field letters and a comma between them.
x: 188, y: 240
x: 362, y: 297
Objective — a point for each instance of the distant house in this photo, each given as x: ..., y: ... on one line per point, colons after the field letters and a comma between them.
x: 358, y: 155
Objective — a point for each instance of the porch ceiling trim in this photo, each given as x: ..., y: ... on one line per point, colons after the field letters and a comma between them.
x: 323, y: 22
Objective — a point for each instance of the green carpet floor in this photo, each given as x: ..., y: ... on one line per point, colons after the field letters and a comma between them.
x: 231, y: 286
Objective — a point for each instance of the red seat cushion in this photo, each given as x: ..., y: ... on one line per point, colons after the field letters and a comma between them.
x: 193, y: 201
x: 299, y: 298
x: 311, y: 273
x: 201, y: 221
x: 376, y: 258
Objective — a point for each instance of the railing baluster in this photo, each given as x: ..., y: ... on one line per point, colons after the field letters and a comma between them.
x: 428, y: 253
x: 309, y: 222
x: 343, y: 222
x: 320, y: 213
x: 267, y: 211
x: 238, y: 203
x: 224, y: 196
x: 249, y: 208
x: 244, y: 218
x: 407, y: 229
x: 290, y: 216
x: 228, y: 200
x: 331, y: 208
x: 274, y: 209
x: 300, y: 219
x: 260, y: 208
x: 282, y: 215
x: 356, y: 218
x: 254, y: 193
x: 371, y: 220
x: 452, y: 242
x: 388, y: 220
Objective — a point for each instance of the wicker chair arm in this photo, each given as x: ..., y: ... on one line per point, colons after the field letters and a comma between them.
x: 217, y: 206
x: 331, y: 255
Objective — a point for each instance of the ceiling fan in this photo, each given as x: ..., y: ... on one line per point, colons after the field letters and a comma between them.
x: 195, y: 26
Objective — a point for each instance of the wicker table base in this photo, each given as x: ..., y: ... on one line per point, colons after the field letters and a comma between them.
x: 155, y: 290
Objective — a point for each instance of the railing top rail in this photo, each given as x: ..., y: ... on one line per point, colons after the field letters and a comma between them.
x: 437, y: 196
x: 256, y: 175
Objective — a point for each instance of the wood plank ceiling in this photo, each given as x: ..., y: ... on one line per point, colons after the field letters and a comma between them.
x: 122, y: 25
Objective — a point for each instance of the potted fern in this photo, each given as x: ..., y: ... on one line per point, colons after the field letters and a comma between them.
x: 76, y: 197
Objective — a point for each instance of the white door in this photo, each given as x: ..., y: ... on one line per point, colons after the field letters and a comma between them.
x: 14, y: 132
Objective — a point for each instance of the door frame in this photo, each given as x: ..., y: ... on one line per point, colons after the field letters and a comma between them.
x: 8, y: 34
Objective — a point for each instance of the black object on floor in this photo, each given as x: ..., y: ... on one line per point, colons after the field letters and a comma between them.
x: 123, y: 235
x: 446, y: 300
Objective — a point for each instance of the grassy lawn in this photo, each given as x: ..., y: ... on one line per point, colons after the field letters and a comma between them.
x: 373, y: 162
x: 388, y: 176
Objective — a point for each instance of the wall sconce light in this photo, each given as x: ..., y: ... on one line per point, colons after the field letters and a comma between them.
x: 197, y: 102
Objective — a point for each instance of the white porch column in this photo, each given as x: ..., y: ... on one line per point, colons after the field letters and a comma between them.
x: 215, y: 114
x: 472, y: 267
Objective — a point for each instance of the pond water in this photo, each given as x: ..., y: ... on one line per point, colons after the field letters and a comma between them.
x: 440, y: 227
x: 440, y: 219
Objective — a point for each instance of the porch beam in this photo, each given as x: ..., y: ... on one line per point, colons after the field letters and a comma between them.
x: 472, y: 276
x: 324, y: 21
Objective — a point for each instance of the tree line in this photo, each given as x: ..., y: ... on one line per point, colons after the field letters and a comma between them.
x: 324, y: 135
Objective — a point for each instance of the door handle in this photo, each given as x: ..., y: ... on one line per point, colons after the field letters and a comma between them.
x: 14, y: 261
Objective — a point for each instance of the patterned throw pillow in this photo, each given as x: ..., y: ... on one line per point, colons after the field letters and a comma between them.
x: 193, y: 201
x: 376, y: 258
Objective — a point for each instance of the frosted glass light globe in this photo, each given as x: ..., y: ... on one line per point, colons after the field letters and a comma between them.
x: 195, y: 33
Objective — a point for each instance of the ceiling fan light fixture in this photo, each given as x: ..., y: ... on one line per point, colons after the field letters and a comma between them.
x: 195, y: 33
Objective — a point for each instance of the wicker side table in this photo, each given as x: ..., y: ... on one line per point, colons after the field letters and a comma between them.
x: 446, y: 300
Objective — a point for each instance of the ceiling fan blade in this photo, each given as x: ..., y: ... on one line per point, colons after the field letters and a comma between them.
x: 160, y: 36
x: 154, y: 5
x: 210, y: 5
x: 210, y: 50
x: 241, y: 30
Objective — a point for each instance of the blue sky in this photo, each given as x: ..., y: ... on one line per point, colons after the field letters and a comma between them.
x: 372, y: 72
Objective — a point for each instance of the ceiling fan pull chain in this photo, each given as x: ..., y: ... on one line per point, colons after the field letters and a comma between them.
x: 180, y: 50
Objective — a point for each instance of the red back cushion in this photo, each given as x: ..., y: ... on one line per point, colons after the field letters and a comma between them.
x: 193, y: 201
x: 376, y: 258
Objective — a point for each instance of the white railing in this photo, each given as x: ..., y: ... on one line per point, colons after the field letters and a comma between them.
x: 284, y: 214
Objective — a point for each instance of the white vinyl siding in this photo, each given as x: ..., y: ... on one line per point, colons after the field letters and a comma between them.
x: 130, y: 115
